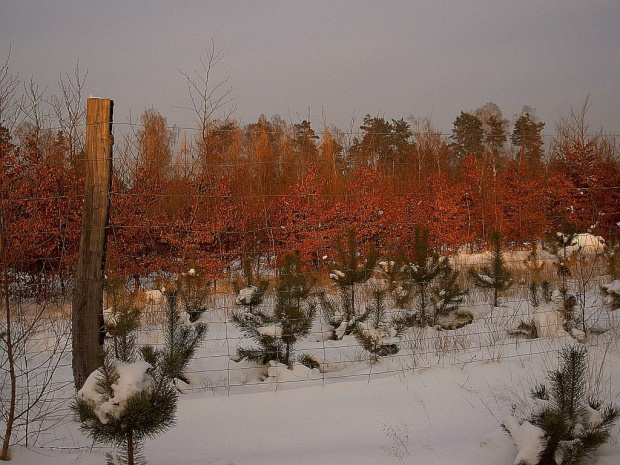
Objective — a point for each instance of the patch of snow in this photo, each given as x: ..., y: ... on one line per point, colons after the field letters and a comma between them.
x: 154, y: 296
x: 245, y: 295
x: 272, y: 331
x: 548, y: 321
x: 132, y: 379
x: 530, y: 440
x: 340, y: 330
x: 593, y: 418
x: 280, y: 373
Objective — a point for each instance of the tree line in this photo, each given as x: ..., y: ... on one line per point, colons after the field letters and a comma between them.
x: 226, y: 191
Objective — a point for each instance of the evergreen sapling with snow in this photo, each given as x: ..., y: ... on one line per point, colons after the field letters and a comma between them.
x: 277, y: 334
x: 193, y: 290
x: 250, y: 289
x: 497, y: 276
x: 125, y: 401
x: 446, y: 294
x: 570, y: 423
x: 349, y: 270
x: 181, y: 341
x: 376, y: 335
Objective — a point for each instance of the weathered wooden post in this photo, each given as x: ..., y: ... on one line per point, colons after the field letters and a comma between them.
x: 87, y: 308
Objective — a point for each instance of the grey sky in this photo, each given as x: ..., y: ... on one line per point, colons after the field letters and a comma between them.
x: 387, y: 58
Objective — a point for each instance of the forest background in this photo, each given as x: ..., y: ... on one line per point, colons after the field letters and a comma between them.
x: 209, y: 196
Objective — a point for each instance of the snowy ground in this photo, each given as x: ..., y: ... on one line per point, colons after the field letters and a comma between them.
x: 441, y: 400
x: 439, y: 415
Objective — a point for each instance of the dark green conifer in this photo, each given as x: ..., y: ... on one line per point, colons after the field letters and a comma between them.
x: 350, y: 269
x: 277, y: 334
x: 497, y: 276
x: 574, y: 423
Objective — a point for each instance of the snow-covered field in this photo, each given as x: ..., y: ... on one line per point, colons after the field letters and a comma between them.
x: 440, y: 400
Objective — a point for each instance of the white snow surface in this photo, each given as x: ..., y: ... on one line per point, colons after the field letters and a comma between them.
x: 440, y: 401
x: 530, y: 440
x: 548, y: 321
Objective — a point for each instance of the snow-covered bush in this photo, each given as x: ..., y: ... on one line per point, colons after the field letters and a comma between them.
x: 122, y: 404
x: 566, y: 424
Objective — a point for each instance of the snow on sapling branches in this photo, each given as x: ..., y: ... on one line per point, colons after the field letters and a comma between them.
x: 424, y: 268
x: 376, y: 335
x: 277, y: 334
x: 496, y: 276
x: 121, y: 322
x: 249, y: 288
x: 562, y: 244
x: 193, y: 290
x: 122, y: 404
x: 394, y: 270
x: 351, y: 268
x: 569, y: 424
x: 446, y: 294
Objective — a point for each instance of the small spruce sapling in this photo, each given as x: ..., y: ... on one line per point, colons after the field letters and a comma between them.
x: 574, y: 423
x: 180, y: 341
x: 193, y: 290
x: 446, y: 294
x: 250, y: 289
x: 562, y: 245
x: 126, y: 401
x: 121, y: 322
x: 277, y: 334
x: 349, y: 270
x: 122, y: 404
x: 293, y: 312
x: 425, y: 267
x: 376, y: 335
x: 496, y: 276
x: 394, y: 270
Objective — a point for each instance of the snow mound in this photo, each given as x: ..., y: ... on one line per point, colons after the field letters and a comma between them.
x: 154, y: 296
x: 584, y: 243
x: 245, y: 295
x: 530, y: 440
x: 132, y: 379
x: 613, y: 292
x: 271, y: 331
x: 548, y: 321
x: 280, y: 373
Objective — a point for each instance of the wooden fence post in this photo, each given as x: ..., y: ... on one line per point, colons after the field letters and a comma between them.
x: 87, y: 305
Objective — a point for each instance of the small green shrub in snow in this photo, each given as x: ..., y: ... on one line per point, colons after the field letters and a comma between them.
x: 567, y: 424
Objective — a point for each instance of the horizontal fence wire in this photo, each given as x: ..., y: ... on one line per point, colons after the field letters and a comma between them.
x: 490, y: 337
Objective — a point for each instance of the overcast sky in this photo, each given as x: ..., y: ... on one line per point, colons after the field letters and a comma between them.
x: 393, y: 59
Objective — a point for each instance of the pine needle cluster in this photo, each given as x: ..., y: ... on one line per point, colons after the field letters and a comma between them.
x: 497, y: 276
x: 574, y: 423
